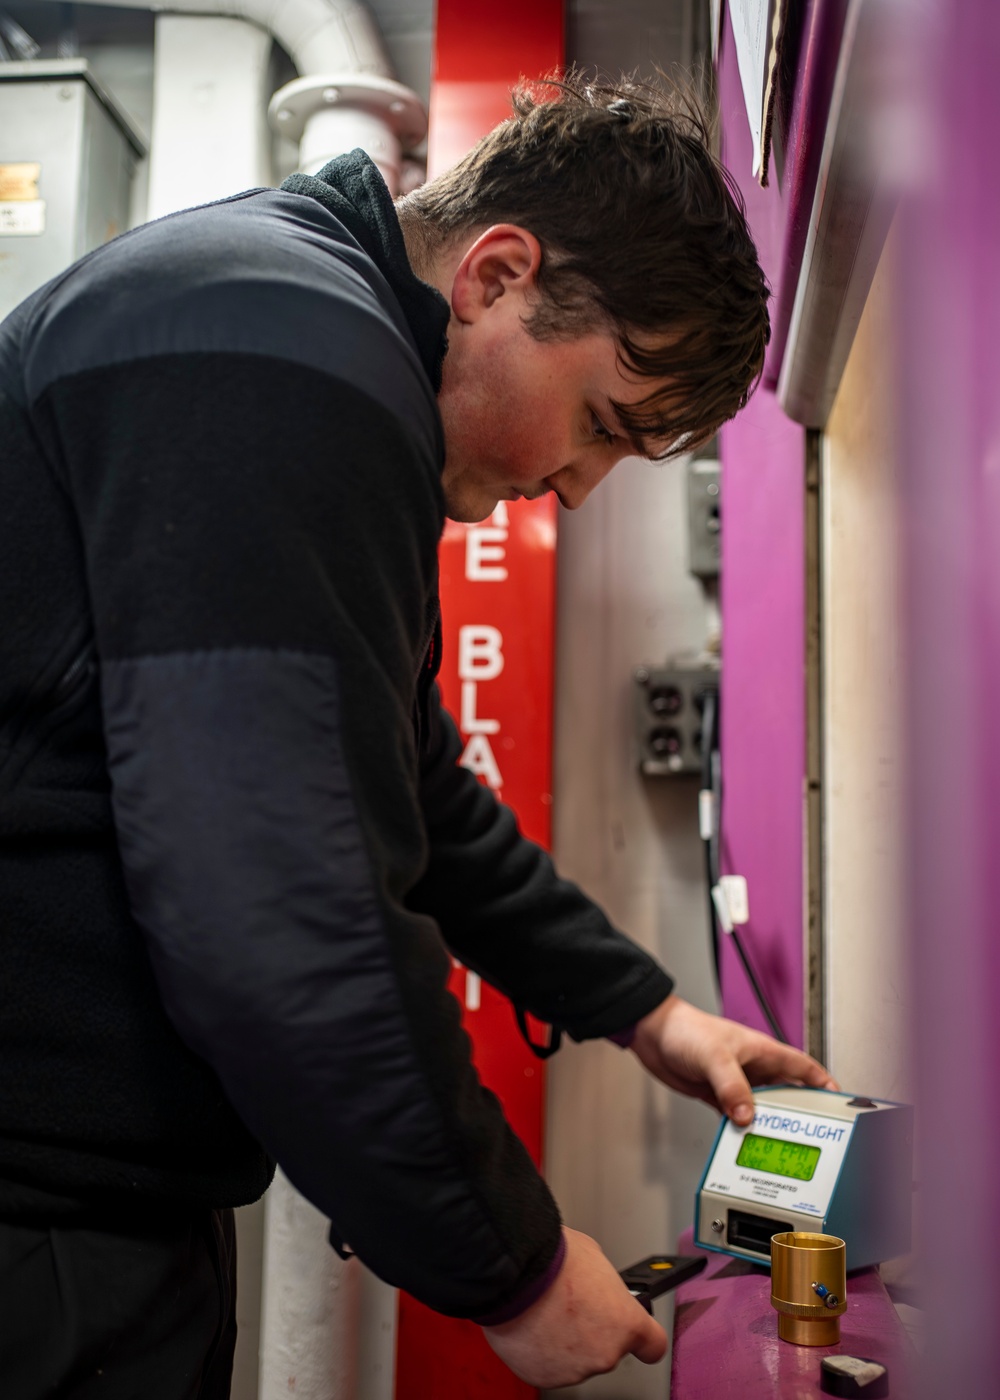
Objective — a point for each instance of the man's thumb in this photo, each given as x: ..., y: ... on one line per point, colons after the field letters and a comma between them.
x: 651, y: 1346
x: 733, y: 1093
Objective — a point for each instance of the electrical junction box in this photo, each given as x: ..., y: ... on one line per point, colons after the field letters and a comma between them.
x: 67, y: 154
x: 704, y: 517
x: 814, y: 1160
x: 667, y: 705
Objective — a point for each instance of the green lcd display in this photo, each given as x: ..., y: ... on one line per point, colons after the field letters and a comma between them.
x: 765, y: 1154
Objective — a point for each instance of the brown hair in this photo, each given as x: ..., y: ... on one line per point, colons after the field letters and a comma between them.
x: 641, y: 229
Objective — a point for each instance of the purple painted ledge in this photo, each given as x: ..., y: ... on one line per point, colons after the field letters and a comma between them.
x: 726, y: 1344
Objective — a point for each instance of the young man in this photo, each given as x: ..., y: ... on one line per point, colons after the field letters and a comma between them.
x: 237, y: 846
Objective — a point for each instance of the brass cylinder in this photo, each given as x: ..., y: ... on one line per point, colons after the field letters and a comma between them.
x: 808, y: 1287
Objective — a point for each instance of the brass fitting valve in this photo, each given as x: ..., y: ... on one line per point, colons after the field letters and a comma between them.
x: 808, y: 1287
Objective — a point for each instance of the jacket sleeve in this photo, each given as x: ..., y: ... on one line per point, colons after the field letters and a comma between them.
x: 259, y: 538
x: 507, y: 914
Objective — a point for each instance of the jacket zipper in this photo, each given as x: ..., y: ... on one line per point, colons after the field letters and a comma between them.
x: 423, y: 676
x: 41, y: 702
x: 68, y: 681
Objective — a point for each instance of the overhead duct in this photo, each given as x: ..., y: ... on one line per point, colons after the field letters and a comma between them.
x: 346, y: 94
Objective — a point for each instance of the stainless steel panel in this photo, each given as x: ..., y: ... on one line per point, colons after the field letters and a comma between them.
x: 55, y: 115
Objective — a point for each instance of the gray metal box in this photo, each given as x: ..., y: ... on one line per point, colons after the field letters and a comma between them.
x: 667, y: 706
x: 67, y: 154
x: 704, y: 518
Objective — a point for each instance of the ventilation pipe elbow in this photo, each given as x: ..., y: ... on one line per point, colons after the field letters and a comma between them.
x: 320, y: 36
x: 346, y: 95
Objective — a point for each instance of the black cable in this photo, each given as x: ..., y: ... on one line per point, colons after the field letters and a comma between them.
x: 708, y: 745
x: 711, y: 783
x: 758, y: 991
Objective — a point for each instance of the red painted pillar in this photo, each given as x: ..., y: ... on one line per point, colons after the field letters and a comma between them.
x: 498, y: 603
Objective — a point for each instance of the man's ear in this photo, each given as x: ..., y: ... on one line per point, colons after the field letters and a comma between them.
x: 503, y: 261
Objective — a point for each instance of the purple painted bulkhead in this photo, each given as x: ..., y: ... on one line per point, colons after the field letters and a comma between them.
x: 763, y: 630
x: 763, y: 551
x: 946, y: 124
x: 950, y: 372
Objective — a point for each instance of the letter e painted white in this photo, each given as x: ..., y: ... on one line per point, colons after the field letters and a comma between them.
x: 484, y: 555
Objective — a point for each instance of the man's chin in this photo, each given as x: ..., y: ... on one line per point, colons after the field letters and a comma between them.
x: 469, y: 517
x: 469, y: 507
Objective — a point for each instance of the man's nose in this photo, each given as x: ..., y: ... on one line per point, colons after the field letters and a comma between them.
x: 574, y: 483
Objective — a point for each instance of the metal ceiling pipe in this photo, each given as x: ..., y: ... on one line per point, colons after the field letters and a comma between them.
x: 344, y: 67
x: 319, y: 36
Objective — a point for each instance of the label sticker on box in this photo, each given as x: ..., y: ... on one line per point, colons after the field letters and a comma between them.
x: 22, y: 217
x: 19, y: 180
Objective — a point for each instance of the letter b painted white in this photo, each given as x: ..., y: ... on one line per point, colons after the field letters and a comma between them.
x: 480, y: 653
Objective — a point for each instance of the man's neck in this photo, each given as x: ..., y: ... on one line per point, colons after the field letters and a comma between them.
x: 433, y: 262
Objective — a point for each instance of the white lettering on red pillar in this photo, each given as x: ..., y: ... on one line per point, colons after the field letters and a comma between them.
x: 500, y: 573
x: 480, y: 651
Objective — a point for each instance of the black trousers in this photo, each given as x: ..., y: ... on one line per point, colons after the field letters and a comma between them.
x: 118, y: 1312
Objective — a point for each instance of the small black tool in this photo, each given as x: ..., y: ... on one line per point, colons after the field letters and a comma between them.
x: 658, y: 1274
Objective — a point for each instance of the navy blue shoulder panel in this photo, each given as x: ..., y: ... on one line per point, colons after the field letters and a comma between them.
x: 266, y: 273
x: 11, y: 332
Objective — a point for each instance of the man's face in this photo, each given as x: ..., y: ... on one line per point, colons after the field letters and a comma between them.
x: 523, y: 417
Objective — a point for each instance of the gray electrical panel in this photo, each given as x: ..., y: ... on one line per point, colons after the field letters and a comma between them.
x: 67, y: 154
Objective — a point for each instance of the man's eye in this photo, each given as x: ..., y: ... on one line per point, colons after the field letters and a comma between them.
x: 599, y: 430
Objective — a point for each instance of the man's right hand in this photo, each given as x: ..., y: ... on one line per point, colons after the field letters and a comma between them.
x: 581, y: 1326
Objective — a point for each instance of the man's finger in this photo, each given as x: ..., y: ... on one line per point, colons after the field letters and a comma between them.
x: 652, y: 1344
x: 781, y: 1065
x: 732, y: 1090
x: 784, y: 1062
x: 807, y: 1069
x: 820, y: 1077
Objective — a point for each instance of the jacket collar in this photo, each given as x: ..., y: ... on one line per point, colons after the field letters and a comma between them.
x: 353, y: 190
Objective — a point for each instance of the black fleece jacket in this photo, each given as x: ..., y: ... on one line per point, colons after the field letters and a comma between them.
x: 235, y: 842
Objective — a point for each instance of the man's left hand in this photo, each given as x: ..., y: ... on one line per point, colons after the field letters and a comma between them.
x: 710, y: 1058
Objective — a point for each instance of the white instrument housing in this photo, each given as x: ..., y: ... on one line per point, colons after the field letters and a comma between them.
x: 832, y: 1163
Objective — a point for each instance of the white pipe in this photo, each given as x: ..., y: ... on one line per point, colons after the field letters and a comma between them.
x: 210, y: 82
x: 320, y: 36
x: 339, y: 129
x: 311, y: 1300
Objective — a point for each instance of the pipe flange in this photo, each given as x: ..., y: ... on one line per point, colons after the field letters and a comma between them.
x: 400, y: 108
